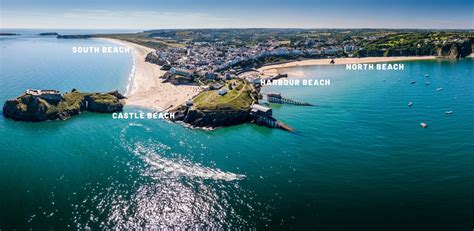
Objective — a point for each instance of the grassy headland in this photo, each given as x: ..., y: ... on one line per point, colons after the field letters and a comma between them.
x: 240, y: 96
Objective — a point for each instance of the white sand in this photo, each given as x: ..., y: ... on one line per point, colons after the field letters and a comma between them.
x: 275, y: 69
x: 147, y: 89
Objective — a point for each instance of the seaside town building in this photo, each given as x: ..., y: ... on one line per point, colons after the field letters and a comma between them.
x: 52, y: 96
x: 217, y: 61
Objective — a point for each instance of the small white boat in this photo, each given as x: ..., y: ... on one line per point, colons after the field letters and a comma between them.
x: 439, y: 89
x: 413, y: 82
x: 423, y: 125
x: 427, y: 75
x: 410, y: 104
x: 427, y: 83
x: 448, y: 112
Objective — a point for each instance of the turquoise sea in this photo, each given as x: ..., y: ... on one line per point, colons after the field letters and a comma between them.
x: 357, y: 161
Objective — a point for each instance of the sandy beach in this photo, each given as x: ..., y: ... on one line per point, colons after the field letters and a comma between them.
x: 146, y: 89
x: 275, y: 69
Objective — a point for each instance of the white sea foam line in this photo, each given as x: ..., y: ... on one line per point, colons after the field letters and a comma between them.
x: 131, y: 78
x: 131, y: 87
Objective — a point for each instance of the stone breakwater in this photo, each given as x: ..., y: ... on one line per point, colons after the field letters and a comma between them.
x: 30, y: 107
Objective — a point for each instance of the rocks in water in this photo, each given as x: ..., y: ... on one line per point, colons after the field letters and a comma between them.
x: 30, y: 107
x: 48, y: 34
x: 8, y: 34
x: 79, y: 36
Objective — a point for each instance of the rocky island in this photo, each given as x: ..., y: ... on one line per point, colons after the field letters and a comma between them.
x: 74, y: 36
x: 8, y: 34
x: 48, y: 34
x: 41, y: 105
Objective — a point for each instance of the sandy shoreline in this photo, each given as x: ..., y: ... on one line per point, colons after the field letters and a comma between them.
x: 146, y: 89
x: 275, y: 69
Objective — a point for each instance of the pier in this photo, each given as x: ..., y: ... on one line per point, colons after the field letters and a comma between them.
x: 277, y: 98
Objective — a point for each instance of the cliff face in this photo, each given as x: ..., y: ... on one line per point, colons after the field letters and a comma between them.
x: 103, y: 103
x: 34, y: 108
x: 28, y: 108
x: 212, y: 118
x: 455, y: 50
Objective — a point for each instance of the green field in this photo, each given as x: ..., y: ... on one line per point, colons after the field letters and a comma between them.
x: 142, y: 39
x: 412, y: 44
x: 240, y: 97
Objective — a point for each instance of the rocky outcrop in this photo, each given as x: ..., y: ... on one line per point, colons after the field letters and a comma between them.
x: 103, y: 103
x: 35, y: 108
x: 29, y: 108
x: 117, y: 94
x: 455, y: 50
x: 48, y: 34
x: 211, y: 118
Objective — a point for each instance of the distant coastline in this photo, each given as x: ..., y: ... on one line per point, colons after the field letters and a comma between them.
x: 8, y: 34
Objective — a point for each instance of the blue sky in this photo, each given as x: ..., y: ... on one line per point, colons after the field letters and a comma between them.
x: 151, y: 14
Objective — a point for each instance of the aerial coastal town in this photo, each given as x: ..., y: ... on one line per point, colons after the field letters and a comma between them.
x: 212, y: 77
x: 225, y: 63
x: 200, y: 55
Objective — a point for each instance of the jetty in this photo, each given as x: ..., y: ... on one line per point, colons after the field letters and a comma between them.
x: 273, y: 97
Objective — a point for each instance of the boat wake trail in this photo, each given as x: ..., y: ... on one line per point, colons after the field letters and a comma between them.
x: 150, y: 154
x: 177, y: 168
x: 154, y: 188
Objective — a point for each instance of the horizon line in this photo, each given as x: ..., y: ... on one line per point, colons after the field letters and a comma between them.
x: 282, y: 28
